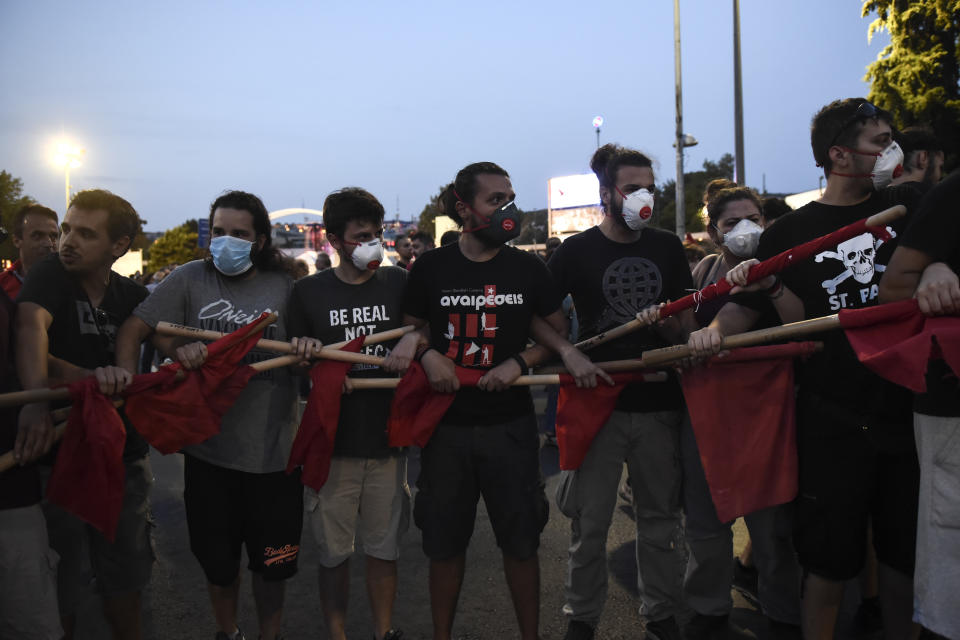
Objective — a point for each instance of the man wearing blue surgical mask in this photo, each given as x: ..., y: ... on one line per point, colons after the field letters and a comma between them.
x: 236, y: 490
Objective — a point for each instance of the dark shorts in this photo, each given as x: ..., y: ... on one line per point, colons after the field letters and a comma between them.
x: 227, y: 509
x: 499, y: 462
x: 850, y: 477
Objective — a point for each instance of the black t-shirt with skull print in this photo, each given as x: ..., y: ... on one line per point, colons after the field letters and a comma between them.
x: 848, y: 277
x: 610, y: 282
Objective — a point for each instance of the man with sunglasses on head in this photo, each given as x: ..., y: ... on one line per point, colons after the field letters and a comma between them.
x: 857, y: 459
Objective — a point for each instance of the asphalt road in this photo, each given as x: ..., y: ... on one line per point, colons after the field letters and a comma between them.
x: 176, y: 606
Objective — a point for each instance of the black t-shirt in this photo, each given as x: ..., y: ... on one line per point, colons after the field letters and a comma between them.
x: 479, y: 315
x: 19, y: 486
x: 845, y: 278
x: 610, y: 283
x: 935, y: 231
x: 80, y: 334
x: 323, y: 306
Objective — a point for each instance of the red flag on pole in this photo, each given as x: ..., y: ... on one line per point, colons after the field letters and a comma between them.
x: 88, y: 473
x: 774, y: 265
x: 417, y: 409
x: 742, y: 410
x: 313, y: 446
x: 581, y: 413
x: 897, y: 342
x: 173, y: 408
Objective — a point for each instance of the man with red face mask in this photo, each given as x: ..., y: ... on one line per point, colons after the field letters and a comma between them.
x: 856, y: 453
x: 481, y: 299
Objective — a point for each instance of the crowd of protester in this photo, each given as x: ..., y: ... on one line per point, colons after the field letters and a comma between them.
x: 879, y: 487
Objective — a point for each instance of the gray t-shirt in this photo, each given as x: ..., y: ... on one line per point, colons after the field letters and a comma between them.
x: 257, y: 432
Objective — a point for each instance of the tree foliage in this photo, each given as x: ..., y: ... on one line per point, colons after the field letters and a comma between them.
x: 11, y: 201
x: 430, y: 212
x: 176, y: 246
x: 917, y: 76
x: 694, y: 184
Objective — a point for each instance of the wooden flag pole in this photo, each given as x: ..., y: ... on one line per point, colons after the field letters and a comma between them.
x: 7, y: 460
x: 877, y: 220
x: 522, y: 381
x: 328, y: 352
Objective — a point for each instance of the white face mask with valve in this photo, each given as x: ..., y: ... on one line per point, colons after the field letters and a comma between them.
x: 743, y: 239
x: 637, y: 208
x: 367, y: 255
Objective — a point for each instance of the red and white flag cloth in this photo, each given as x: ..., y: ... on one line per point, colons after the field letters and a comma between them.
x: 742, y: 409
x: 313, y: 446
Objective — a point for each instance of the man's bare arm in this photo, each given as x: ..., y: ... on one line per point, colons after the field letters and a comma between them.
x: 31, y: 343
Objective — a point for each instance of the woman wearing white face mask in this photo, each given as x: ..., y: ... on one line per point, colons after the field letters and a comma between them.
x: 736, y: 222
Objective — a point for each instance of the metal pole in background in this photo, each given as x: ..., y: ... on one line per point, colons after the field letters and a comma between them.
x: 740, y: 177
x: 681, y: 213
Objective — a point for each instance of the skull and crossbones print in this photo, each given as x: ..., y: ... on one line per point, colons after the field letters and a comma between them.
x: 857, y: 256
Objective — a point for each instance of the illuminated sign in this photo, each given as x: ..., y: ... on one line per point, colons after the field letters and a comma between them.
x: 573, y: 191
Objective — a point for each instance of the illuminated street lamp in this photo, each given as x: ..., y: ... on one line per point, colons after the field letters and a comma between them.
x: 597, y: 123
x: 67, y: 156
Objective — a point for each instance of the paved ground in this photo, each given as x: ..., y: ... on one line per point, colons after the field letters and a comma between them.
x: 176, y: 603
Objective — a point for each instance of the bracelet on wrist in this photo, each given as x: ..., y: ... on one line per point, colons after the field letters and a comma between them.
x: 774, y: 288
x: 520, y: 361
x: 421, y: 352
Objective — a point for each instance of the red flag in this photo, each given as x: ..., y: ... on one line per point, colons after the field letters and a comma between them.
x: 776, y: 264
x: 743, y: 414
x: 581, y: 413
x: 417, y: 409
x: 173, y: 408
x: 896, y: 341
x: 88, y: 473
x: 313, y: 446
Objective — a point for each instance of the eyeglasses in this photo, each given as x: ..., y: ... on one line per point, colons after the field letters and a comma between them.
x: 864, y: 112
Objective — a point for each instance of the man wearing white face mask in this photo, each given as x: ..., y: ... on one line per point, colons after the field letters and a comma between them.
x: 366, y: 495
x: 236, y: 490
x: 857, y: 459
x: 613, y: 271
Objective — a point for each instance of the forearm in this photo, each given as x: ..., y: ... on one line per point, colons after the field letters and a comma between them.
x: 788, y: 305
x: 548, y: 333
x: 734, y: 318
x: 62, y: 372
x: 31, y: 354
x: 129, y: 338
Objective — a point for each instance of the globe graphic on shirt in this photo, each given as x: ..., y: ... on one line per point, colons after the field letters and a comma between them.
x: 629, y: 286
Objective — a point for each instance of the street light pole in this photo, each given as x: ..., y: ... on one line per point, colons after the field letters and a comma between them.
x: 740, y: 177
x: 680, y: 209
x: 597, y: 123
x: 67, y: 156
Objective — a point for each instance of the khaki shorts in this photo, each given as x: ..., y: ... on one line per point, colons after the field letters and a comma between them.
x: 122, y: 566
x: 365, y: 498
x: 28, y: 577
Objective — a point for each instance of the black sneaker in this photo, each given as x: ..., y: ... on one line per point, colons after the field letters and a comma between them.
x: 745, y: 580
x: 703, y: 627
x: 392, y: 634
x: 665, y: 629
x: 578, y: 630
x: 223, y: 636
x: 868, y: 620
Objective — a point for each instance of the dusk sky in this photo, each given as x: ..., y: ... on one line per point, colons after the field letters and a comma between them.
x: 176, y: 101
